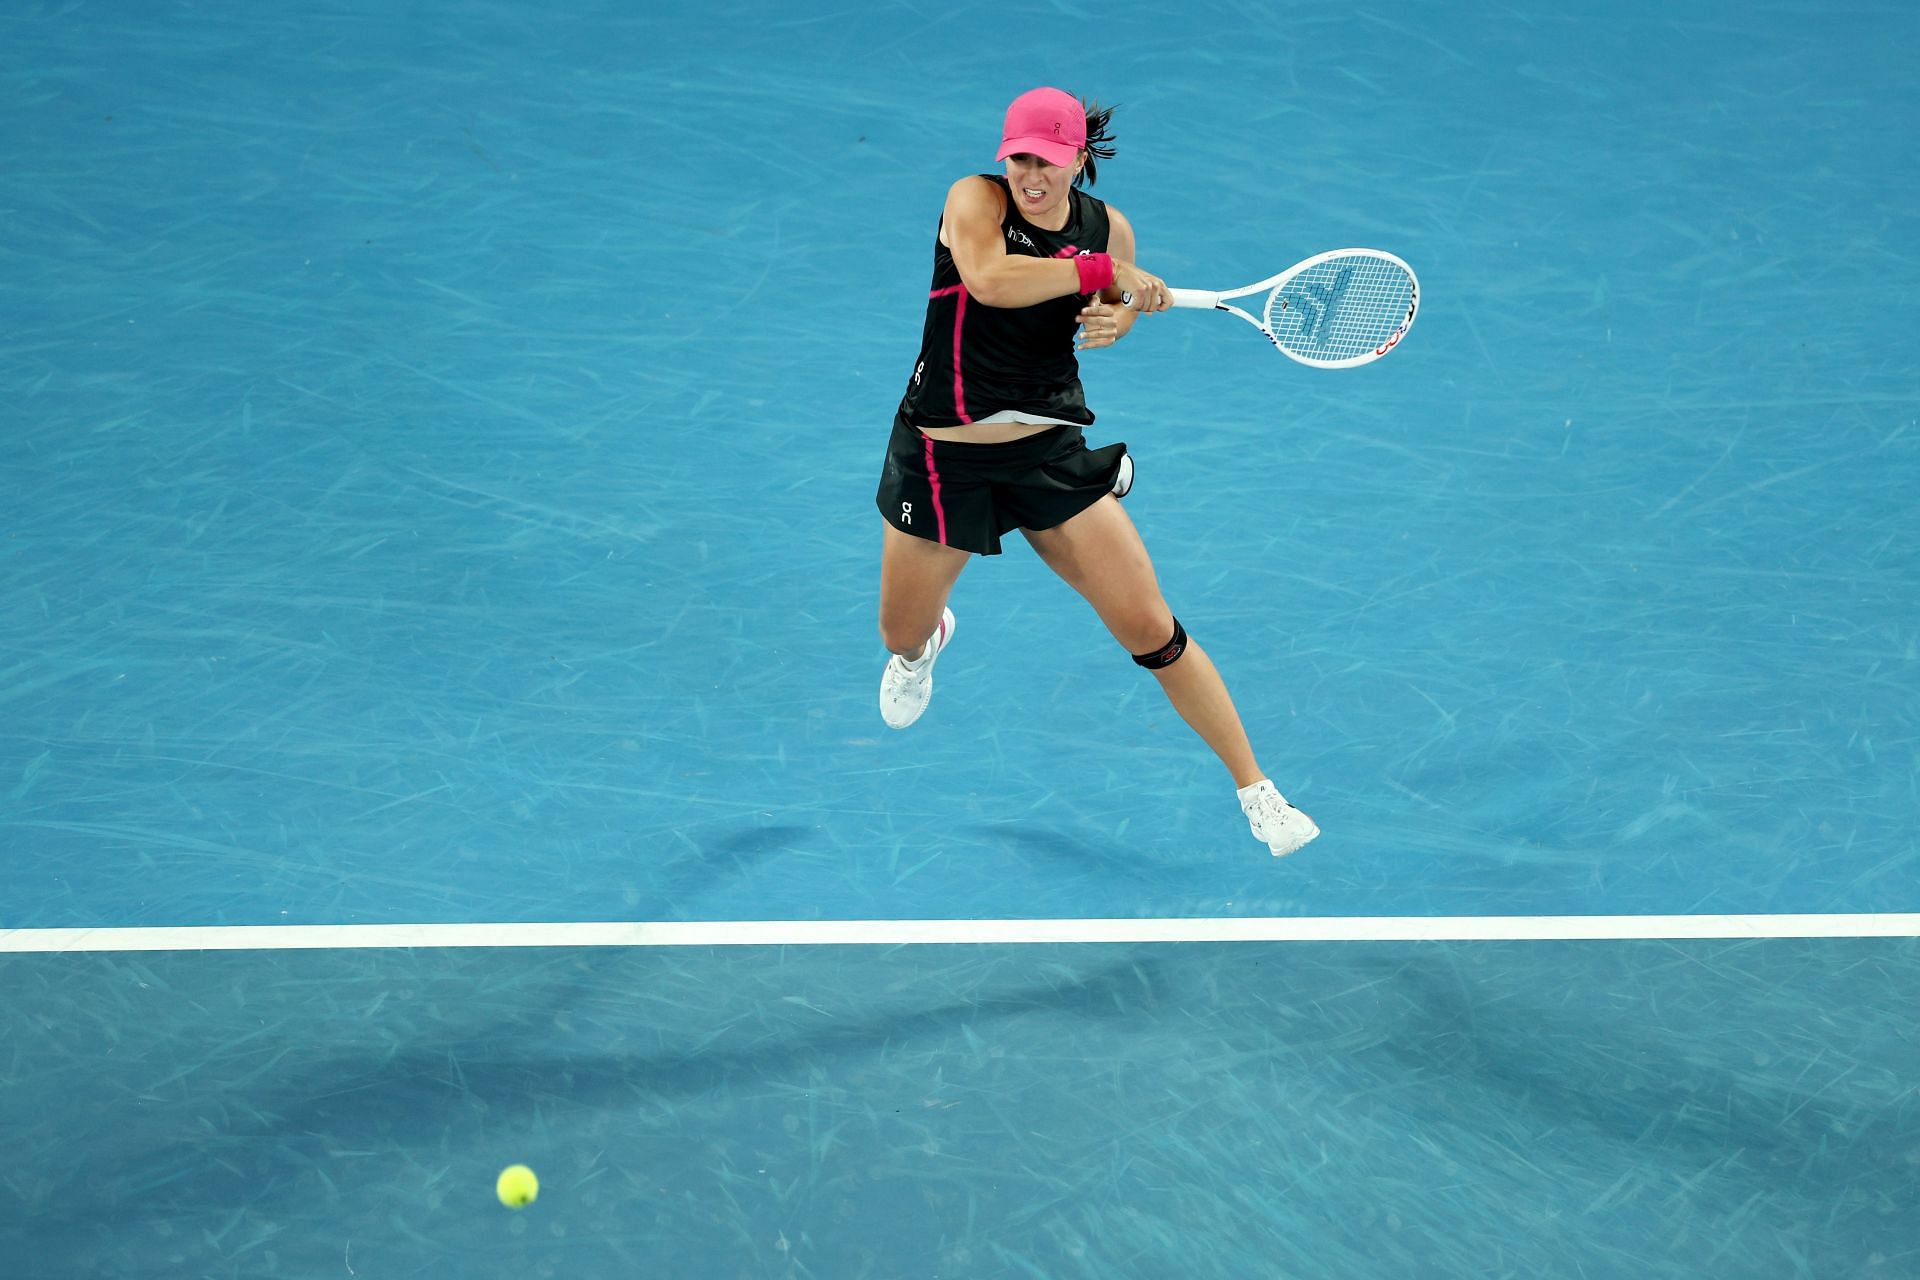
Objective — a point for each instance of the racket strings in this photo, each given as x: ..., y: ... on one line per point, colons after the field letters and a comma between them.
x: 1340, y: 308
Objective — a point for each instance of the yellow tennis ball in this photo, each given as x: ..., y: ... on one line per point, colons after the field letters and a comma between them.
x: 516, y: 1186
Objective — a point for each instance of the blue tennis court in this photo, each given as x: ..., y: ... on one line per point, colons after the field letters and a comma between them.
x: 438, y: 486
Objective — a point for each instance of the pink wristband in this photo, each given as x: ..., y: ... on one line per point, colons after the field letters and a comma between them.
x: 1096, y: 271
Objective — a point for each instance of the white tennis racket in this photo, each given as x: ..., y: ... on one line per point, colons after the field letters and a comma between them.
x: 1333, y: 311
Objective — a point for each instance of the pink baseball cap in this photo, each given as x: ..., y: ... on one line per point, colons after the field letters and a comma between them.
x: 1049, y: 123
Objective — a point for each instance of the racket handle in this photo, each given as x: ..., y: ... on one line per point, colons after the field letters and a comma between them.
x: 1194, y: 298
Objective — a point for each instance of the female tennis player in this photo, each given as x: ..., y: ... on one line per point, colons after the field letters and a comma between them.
x: 988, y: 437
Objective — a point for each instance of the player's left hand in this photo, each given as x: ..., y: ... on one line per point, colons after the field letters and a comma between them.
x: 1099, y: 325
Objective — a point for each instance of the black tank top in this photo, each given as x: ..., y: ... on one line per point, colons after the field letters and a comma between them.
x: 977, y: 360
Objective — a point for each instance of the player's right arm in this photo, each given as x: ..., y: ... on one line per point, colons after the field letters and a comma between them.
x: 971, y: 228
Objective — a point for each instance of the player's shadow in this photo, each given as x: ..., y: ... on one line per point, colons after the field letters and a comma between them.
x: 428, y: 1072
x: 1055, y: 852
x: 674, y: 891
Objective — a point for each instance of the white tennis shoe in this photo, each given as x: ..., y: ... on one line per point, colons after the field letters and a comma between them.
x: 1276, y: 824
x: 907, y: 687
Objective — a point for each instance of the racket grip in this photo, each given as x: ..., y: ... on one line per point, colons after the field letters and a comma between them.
x: 1194, y: 298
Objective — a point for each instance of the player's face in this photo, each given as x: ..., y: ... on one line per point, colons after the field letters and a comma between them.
x: 1040, y: 189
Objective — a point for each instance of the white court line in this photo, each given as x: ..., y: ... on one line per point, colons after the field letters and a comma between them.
x: 804, y: 933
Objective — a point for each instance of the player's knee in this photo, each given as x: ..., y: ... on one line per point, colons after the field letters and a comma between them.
x: 1167, y: 654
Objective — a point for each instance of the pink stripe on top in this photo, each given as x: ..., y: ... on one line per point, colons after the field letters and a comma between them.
x: 959, y: 320
x: 959, y: 388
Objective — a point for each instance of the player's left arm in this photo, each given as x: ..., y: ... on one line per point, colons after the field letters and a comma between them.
x: 1105, y: 320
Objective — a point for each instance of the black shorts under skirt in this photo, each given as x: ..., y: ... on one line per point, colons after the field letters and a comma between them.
x: 969, y: 495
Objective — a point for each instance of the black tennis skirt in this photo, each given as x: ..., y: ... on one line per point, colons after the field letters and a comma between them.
x: 970, y: 495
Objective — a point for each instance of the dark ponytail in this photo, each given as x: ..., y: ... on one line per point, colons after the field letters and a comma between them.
x: 1099, y: 143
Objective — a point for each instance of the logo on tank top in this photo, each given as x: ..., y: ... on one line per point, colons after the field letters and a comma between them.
x: 1018, y: 236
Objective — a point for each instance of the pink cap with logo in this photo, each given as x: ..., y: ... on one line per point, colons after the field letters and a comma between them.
x: 1049, y: 123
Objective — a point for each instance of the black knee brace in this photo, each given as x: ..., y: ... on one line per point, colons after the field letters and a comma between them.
x: 1167, y: 654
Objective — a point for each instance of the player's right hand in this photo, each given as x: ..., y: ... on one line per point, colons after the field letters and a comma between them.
x: 1140, y: 291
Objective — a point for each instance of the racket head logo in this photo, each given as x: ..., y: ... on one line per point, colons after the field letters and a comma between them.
x: 1393, y: 340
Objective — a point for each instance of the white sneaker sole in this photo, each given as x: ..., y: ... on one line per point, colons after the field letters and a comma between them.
x: 1295, y: 837
x: 1283, y: 832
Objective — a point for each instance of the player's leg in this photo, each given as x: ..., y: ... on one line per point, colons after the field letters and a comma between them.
x: 916, y: 577
x: 919, y: 564
x: 1099, y: 554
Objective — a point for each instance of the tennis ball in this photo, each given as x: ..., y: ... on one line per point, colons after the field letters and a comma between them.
x: 516, y: 1186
